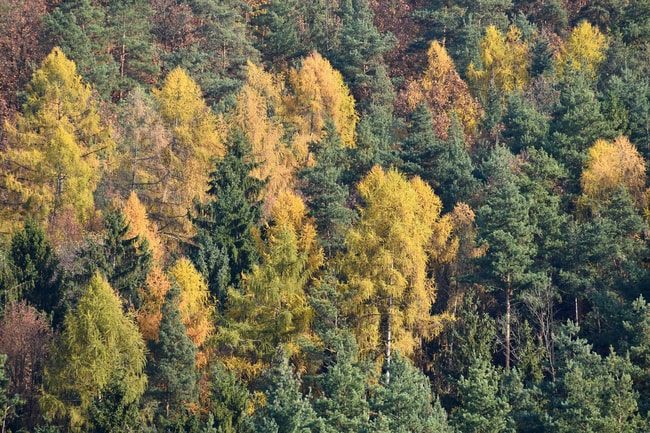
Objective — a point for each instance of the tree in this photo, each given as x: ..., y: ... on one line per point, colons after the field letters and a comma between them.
x: 99, y: 346
x: 444, y: 92
x: 228, y: 402
x: 281, y: 41
x: 319, y: 94
x: 405, y: 403
x: 52, y: 159
x: 504, y: 63
x: 524, y: 125
x: 445, y: 165
x: 35, y: 268
x: 482, y: 408
x: 591, y: 391
x: 25, y: 337
x: 583, y: 51
x: 504, y: 226
x: 124, y: 260
x: 325, y: 192
x: 224, y: 246
x: 387, y: 293
x: 258, y: 113
x: 174, y: 377
x: 8, y: 403
x: 216, y: 45
x: 195, y: 142
x: 273, y: 309
x: 360, y: 48
x: 609, y: 166
x: 197, y: 311
x: 285, y: 410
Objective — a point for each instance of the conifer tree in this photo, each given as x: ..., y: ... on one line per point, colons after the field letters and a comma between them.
x: 224, y: 247
x: 280, y: 39
x: 326, y: 194
x: 229, y: 401
x: 35, y: 268
x: 174, y: 375
x: 504, y: 226
x: 99, y: 347
x: 483, y: 408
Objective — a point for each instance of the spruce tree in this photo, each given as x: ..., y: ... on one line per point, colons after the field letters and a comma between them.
x: 228, y: 402
x: 326, y: 194
x: 174, y: 378
x: 279, y: 37
x: 124, y: 260
x: 224, y: 247
x: 35, y: 267
x: 524, y: 125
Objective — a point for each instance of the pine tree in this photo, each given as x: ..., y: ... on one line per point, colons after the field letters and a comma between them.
x: 326, y: 194
x: 405, y: 403
x: 280, y: 39
x: 99, y: 347
x: 504, y: 226
x: 524, y: 125
x: 174, y: 377
x: 223, y: 247
x: 36, y: 268
x: 483, y: 409
x: 228, y: 402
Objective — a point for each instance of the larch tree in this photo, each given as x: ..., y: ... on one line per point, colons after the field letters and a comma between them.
x: 583, y: 51
x: 504, y: 63
x: 54, y: 147
x: 274, y: 308
x: 386, y: 288
x: 195, y: 142
x: 99, y: 347
x: 444, y: 92
x: 609, y: 166
x: 258, y: 113
x: 319, y: 94
x: 197, y: 311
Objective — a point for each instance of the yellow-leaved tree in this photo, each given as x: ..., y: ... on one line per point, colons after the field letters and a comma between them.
x: 55, y: 146
x: 611, y: 165
x: 584, y: 50
x: 196, y: 307
x: 195, y: 141
x: 319, y: 94
x: 273, y: 309
x: 258, y: 113
x: 504, y: 63
x: 157, y: 283
x: 444, y: 92
x: 386, y: 290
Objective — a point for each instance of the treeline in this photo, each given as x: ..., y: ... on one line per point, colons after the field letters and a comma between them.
x: 279, y: 216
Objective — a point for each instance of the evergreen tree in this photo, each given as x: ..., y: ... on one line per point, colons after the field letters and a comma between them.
x: 326, y: 195
x: 524, y: 125
x: 124, y: 260
x: 406, y: 404
x: 8, y: 403
x: 174, y: 377
x: 483, y: 409
x: 285, y: 410
x: 35, y: 268
x: 280, y: 39
x: 504, y: 226
x: 224, y: 247
x: 228, y: 401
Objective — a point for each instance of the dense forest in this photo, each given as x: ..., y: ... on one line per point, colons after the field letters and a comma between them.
x: 324, y: 216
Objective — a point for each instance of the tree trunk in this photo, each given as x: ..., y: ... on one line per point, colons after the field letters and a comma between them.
x: 388, y: 340
x: 508, y: 296
x: 576, y: 307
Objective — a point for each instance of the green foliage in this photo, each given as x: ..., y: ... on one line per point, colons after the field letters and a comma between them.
x: 99, y: 347
x: 224, y: 247
x: 229, y: 400
x: 174, y: 378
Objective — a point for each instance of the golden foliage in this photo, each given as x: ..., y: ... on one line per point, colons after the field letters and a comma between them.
x: 52, y: 159
x: 319, y: 94
x: 259, y: 114
x: 196, y: 140
x: 584, y: 50
x: 444, y: 91
x: 197, y: 311
x: 609, y: 166
x: 504, y: 62
x: 400, y: 232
